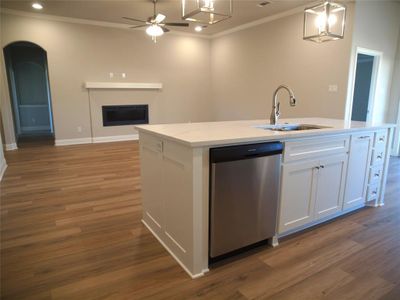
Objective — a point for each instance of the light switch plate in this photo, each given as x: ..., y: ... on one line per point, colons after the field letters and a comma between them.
x: 333, y: 88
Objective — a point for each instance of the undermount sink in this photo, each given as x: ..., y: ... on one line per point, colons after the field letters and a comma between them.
x: 290, y: 127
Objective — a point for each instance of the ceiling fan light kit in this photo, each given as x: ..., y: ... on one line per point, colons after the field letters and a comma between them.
x: 155, y: 24
x: 206, y: 11
x: 324, y: 22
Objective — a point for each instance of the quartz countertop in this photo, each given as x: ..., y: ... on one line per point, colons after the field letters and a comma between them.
x: 234, y: 132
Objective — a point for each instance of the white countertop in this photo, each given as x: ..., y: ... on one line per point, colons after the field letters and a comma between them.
x: 232, y: 132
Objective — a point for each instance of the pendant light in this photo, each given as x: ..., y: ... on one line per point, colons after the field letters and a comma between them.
x: 324, y: 22
x: 206, y: 11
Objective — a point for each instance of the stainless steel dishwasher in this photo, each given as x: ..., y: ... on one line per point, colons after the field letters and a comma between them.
x: 243, y: 196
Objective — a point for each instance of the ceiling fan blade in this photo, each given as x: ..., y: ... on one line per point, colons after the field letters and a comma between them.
x: 159, y: 18
x: 178, y: 24
x: 165, y: 29
x: 139, y: 26
x: 132, y: 19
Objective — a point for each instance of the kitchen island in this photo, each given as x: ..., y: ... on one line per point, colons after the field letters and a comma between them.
x: 325, y: 172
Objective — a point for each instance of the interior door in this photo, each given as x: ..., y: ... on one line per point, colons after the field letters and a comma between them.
x: 29, y: 87
x: 362, y: 88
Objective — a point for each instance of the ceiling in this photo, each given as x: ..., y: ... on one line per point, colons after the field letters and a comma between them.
x: 244, y: 11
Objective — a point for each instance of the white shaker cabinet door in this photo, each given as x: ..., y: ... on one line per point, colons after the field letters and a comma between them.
x: 358, y: 169
x: 331, y: 182
x: 298, y: 188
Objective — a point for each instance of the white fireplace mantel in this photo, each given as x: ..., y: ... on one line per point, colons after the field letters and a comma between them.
x: 124, y: 85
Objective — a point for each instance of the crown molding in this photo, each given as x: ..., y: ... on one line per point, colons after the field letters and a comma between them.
x: 47, y: 17
x: 268, y: 19
x: 258, y: 22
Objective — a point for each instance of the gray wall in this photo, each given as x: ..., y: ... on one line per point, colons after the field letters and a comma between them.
x: 247, y: 66
x: 377, y: 27
x: 78, y: 53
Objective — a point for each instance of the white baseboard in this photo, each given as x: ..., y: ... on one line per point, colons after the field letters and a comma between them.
x: 12, y: 146
x: 3, y: 167
x: 79, y: 141
x: 100, y: 139
x: 116, y: 138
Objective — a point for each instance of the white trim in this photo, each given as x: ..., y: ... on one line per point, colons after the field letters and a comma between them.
x: 173, y: 32
x: 123, y: 85
x: 396, y: 138
x: 79, y: 141
x: 115, y: 138
x: 193, y: 276
x: 3, y: 167
x: 124, y: 26
x: 352, y: 80
x: 96, y: 140
x: 12, y: 146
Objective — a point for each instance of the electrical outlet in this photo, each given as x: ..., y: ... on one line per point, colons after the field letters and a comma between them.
x: 79, y: 128
x: 333, y: 88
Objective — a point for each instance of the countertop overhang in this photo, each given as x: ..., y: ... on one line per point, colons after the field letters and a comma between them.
x: 207, y: 134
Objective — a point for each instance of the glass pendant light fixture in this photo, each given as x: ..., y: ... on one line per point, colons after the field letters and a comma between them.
x: 324, y: 22
x: 206, y: 11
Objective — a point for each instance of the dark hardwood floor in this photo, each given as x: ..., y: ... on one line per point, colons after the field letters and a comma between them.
x: 70, y: 229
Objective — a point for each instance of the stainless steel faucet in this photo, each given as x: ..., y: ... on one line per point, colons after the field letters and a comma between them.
x: 276, y: 105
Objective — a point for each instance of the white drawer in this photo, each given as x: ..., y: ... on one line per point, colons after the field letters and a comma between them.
x: 373, y: 192
x: 380, y: 138
x: 309, y: 148
x: 375, y: 175
x: 378, y: 156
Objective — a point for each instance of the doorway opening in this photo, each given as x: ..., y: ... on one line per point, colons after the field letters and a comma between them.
x: 366, y: 72
x: 28, y: 82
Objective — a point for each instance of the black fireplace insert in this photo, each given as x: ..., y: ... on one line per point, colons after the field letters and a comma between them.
x: 117, y: 115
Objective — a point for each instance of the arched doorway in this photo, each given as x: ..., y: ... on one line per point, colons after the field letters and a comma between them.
x: 28, y: 82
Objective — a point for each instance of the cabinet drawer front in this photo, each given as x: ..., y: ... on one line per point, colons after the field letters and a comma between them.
x: 380, y: 138
x: 373, y: 192
x: 309, y: 148
x: 375, y: 175
x: 378, y: 156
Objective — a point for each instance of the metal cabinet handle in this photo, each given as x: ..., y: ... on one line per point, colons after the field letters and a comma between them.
x: 364, y: 137
x: 317, y: 167
x: 381, y: 139
x: 321, y: 166
x: 376, y: 174
x: 374, y: 192
x: 380, y: 156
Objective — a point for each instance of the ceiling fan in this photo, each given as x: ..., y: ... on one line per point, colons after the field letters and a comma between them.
x: 155, y: 24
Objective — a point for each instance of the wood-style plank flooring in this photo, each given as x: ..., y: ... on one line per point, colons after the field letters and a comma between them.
x: 70, y: 229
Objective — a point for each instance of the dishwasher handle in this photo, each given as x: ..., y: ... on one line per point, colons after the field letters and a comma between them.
x: 232, y: 153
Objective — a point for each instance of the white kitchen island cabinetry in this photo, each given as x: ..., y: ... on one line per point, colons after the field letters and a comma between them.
x: 358, y: 169
x: 312, y: 186
x: 319, y: 167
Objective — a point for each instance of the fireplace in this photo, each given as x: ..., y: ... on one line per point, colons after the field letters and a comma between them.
x: 117, y: 115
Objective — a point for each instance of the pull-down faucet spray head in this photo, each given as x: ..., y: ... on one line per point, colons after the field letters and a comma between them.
x: 276, y: 105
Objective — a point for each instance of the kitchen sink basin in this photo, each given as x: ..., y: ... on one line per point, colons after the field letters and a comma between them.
x: 290, y: 127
